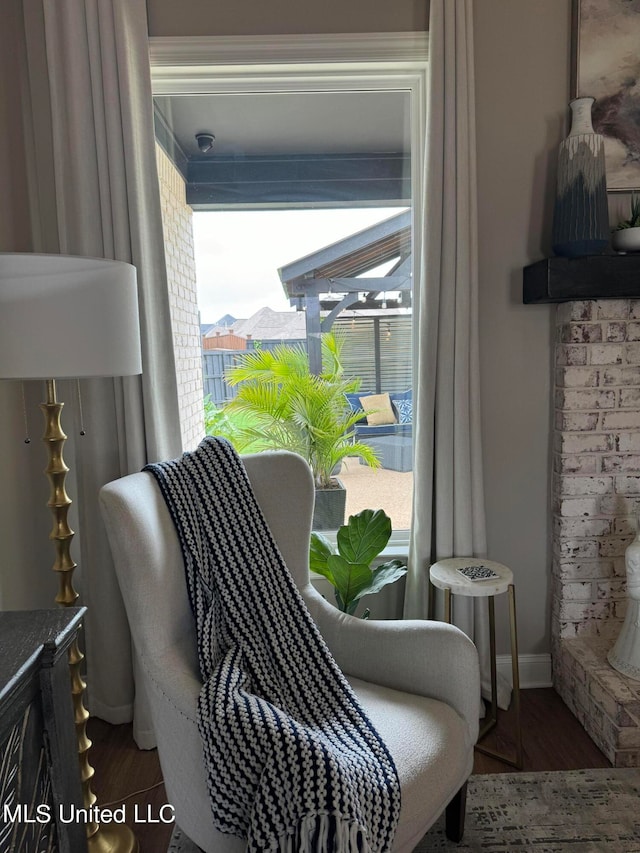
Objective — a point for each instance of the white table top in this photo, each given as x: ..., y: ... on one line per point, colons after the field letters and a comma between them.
x: 445, y: 575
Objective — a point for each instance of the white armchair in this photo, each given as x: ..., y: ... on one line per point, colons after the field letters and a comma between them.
x: 417, y: 680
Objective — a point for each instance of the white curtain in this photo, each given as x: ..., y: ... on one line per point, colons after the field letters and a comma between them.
x: 448, y: 510
x: 106, y: 203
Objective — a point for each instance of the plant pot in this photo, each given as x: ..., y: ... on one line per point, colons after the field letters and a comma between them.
x: 626, y: 240
x: 329, y: 509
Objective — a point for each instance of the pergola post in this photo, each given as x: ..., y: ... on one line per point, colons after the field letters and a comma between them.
x: 314, y: 340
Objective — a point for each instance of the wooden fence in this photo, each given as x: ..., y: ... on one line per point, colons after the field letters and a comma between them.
x: 376, y: 350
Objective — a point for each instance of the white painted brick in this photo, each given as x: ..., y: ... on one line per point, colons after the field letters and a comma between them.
x: 614, y: 589
x: 613, y: 546
x: 590, y: 399
x: 578, y: 591
x: 575, y: 464
x: 633, y: 332
x: 581, y: 611
x: 584, y: 569
x: 618, y: 420
x: 630, y: 398
x: 625, y: 525
x: 606, y: 354
x: 577, y: 377
x: 616, y: 332
x: 583, y: 442
x: 576, y: 421
x: 578, y: 527
x: 618, y: 504
x: 571, y: 355
x: 575, y: 507
x: 577, y: 333
x: 578, y: 549
x: 576, y: 486
x: 620, y: 376
x: 632, y: 353
x: 622, y: 462
x: 611, y: 309
x: 578, y: 311
x: 627, y: 485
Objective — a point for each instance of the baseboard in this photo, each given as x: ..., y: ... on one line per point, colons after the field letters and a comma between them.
x: 534, y: 670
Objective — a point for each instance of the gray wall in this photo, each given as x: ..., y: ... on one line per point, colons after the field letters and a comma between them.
x: 522, y: 60
x: 522, y: 88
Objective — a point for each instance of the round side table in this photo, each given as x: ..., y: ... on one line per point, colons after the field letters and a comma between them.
x: 445, y: 575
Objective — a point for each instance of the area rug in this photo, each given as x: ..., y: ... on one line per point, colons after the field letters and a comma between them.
x: 578, y: 811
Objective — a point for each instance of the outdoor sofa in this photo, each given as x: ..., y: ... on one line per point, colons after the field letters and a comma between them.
x: 386, y: 426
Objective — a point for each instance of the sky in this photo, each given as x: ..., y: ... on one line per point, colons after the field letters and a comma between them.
x: 238, y: 253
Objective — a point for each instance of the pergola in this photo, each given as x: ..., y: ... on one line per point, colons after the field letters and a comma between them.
x: 332, y: 280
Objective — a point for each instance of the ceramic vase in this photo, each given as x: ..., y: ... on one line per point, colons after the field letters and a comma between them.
x: 581, y: 215
x: 625, y: 655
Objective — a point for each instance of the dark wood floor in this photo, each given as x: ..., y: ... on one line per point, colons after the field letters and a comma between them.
x: 552, y: 740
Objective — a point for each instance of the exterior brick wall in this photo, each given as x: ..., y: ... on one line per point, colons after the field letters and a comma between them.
x: 185, y: 320
x: 596, y: 499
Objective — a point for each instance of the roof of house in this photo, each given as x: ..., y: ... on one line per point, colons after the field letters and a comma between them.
x: 267, y: 324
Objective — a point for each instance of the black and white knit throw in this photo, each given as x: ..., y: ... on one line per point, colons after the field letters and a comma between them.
x: 293, y: 764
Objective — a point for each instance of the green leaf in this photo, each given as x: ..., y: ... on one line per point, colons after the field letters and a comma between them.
x: 319, y: 552
x: 349, y: 579
x: 385, y: 574
x: 364, y: 536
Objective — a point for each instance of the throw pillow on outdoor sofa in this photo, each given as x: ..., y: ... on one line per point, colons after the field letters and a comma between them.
x: 403, y: 404
x: 378, y: 409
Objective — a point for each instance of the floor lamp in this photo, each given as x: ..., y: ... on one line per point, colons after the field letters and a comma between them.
x: 65, y: 317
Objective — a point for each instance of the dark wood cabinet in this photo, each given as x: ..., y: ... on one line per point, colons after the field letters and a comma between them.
x: 39, y: 768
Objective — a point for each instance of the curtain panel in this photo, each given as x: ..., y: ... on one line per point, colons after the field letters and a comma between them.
x: 93, y: 102
x: 448, y: 509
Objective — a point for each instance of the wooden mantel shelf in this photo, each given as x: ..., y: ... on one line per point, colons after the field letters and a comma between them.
x: 591, y: 277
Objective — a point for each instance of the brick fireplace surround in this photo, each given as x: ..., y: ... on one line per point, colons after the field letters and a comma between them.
x: 596, y: 499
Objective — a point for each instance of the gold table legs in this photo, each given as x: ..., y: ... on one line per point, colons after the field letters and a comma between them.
x: 492, y: 719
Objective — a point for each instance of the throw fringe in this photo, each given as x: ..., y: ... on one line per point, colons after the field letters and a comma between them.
x: 324, y: 832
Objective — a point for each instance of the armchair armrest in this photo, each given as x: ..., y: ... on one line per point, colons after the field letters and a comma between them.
x: 418, y: 656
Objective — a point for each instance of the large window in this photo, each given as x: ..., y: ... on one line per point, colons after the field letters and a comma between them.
x: 304, y: 228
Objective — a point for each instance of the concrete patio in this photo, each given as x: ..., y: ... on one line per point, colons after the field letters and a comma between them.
x: 369, y: 488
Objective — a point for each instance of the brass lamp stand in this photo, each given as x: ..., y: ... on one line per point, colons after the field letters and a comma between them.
x: 111, y: 837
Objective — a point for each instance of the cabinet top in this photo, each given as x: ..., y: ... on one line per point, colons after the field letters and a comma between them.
x: 32, y: 639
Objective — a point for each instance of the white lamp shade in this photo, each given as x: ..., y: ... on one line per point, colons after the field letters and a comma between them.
x: 64, y: 317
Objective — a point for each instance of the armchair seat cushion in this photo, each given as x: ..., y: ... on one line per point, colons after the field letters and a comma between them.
x: 428, y: 742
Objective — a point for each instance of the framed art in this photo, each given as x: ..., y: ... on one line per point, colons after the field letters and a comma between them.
x: 606, y: 66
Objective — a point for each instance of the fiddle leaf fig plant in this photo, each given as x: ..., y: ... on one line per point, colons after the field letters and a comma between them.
x: 349, y: 571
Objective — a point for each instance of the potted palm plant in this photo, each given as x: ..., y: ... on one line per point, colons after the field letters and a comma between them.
x: 288, y: 407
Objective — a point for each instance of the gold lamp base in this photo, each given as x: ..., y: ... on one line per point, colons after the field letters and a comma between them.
x: 113, y: 838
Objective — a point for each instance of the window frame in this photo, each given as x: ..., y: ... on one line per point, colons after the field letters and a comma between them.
x: 188, y: 65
